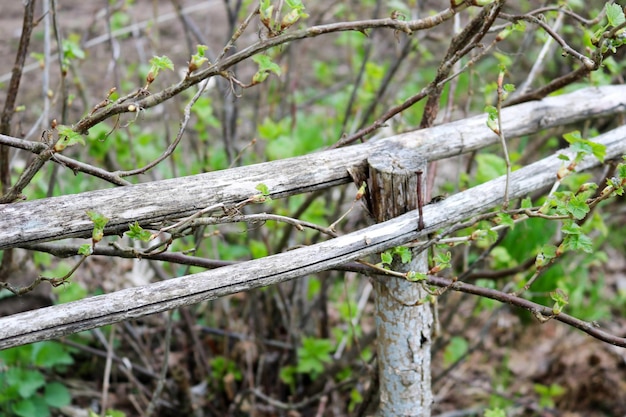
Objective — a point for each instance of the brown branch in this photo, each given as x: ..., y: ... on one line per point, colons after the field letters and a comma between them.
x: 14, y: 193
x: 566, y: 11
x: 442, y: 77
x: 14, y: 86
x: 586, y: 61
x: 501, y: 273
x: 220, y: 67
x: 7, y: 115
x: 549, y: 88
x: 74, y: 165
x: 172, y: 147
x: 461, y: 45
x: 591, y: 328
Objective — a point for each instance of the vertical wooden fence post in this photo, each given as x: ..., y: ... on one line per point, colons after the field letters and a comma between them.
x: 403, y: 324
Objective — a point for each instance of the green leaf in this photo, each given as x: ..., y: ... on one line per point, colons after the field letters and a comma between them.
x: 490, y: 166
x: 559, y: 296
x: 583, y: 146
x: 571, y: 228
x: 67, y: 138
x: 455, y: 350
x: 263, y: 189
x: 578, y: 242
x: 598, y: 150
x: 621, y: 169
x: 135, y: 231
x: 577, y: 207
x: 287, y: 374
x: 527, y: 203
x: 72, y: 50
x: 257, y: 249
x: 494, y: 412
x: 545, y: 255
x: 198, y: 59
x: 492, y: 118
x: 415, y: 276
x: 572, y: 137
x: 161, y: 62
x: 201, y: 49
x: 266, y: 66
x: 404, y: 253
x: 49, y: 354
x: 99, y: 222
x: 295, y: 4
x: 443, y: 259
x: 98, y: 219
x: 114, y: 413
x: 56, y: 395
x: 509, y: 88
x: 615, y: 14
x: 24, y: 408
x: 386, y: 258
x: 312, y: 355
x: 549, y: 251
x: 86, y: 249
x: 506, y: 220
x: 29, y: 382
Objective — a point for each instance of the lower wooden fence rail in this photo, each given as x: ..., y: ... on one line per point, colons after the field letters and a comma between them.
x: 64, y: 319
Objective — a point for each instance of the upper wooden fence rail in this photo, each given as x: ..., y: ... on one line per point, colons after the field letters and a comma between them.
x: 286, y: 177
x: 65, y: 216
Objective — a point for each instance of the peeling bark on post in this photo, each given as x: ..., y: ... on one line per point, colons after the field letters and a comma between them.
x: 403, y: 324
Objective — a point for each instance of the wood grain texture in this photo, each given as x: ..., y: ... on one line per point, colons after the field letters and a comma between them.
x: 64, y: 319
x: 64, y: 217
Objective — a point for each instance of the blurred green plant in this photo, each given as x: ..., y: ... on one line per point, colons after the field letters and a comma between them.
x: 26, y: 389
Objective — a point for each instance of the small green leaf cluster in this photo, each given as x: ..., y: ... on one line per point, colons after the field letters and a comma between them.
x: 387, y: 256
x: 312, y: 356
x: 158, y: 63
x: 67, y: 138
x: 99, y: 223
x: 615, y: 17
x: 24, y: 388
x: 275, y: 24
x: 264, y: 197
x: 266, y: 67
x: 457, y: 348
x: 494, y: 412
x: 71, y: 51
x: 198, y: 59
x: 548, y: 393
x: 441, y: 261
x: 222, y: 367
x: 135, y: 231
x: 582, y: 147
x: 560, y: 298
x: 108, y: 413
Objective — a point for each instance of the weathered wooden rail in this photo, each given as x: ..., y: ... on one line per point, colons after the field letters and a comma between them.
x: 64, y: 217
x: 38, y: 221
